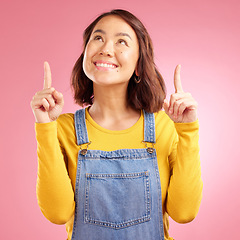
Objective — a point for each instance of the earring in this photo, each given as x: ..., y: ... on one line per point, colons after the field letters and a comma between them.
x: 137, y: 79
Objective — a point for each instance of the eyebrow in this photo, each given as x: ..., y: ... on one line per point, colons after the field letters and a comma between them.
x: 118, y: 34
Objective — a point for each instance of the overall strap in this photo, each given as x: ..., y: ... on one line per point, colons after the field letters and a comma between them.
x: 80, y: 127
x: 149, y: 127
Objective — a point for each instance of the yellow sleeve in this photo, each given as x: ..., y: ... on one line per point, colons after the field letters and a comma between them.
x: 185, y: 187
x: 54, y: 190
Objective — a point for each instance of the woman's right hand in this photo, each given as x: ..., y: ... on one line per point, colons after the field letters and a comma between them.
x: 47, y: 104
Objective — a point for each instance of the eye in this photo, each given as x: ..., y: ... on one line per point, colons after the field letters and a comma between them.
x: 98, y: 38
x: 123, y: 42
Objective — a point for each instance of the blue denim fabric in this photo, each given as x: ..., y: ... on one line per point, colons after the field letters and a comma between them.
x: 118, y: 193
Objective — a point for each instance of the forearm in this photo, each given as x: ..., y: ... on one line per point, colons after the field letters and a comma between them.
x: 54, y: 190
x: 185, y: 188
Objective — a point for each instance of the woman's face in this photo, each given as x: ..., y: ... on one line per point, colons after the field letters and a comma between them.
x: 111, y: 53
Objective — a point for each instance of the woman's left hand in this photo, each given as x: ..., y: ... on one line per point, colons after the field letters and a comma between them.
x: 182, y: 108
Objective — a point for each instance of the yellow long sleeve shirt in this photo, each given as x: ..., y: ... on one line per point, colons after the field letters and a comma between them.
x: 177, y: 154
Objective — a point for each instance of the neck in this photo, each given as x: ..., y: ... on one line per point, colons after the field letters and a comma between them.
x: 110, y: 109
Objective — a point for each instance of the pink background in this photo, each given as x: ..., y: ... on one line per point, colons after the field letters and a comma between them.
x: 201, y: 35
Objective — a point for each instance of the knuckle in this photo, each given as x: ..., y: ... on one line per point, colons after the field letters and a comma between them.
x: 32, y: 103
x: 183, y: 104
x: 173, y: 97
x: 177, y: 104
x: 44, y: 100
x: 39, y: 93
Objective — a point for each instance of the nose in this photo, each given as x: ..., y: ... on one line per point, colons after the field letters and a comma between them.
x: 107, y: 49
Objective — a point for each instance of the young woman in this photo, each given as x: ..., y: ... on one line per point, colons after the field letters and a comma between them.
x: 119, y: 167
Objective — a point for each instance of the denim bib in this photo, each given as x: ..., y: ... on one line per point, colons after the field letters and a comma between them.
x: 117, y: 193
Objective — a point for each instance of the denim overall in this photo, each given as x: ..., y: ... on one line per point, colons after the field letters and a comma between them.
x: 118, y: 193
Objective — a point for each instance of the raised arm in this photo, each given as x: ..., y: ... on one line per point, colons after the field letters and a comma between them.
x: 54, y: 190
x: 185, y: 187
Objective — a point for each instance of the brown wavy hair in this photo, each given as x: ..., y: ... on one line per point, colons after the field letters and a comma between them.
x: 149, y: 94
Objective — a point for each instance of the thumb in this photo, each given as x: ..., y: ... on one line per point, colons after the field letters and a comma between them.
x: 58, y: 97
x: 166, y: 105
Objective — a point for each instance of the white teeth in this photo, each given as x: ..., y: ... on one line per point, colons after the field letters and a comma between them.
x: 105, y: 65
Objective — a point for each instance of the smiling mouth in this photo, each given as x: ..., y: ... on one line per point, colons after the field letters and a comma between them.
x: 105, y: 65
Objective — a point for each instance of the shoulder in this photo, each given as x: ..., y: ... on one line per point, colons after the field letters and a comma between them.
x: 164, y: 126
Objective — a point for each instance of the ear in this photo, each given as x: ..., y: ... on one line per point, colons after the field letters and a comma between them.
x: 136, y: 72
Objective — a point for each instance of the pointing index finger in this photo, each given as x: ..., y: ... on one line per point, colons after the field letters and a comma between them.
x: 47, y: 76
x: 177, y: 80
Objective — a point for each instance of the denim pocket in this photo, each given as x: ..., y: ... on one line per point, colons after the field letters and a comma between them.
x: 117, y: 200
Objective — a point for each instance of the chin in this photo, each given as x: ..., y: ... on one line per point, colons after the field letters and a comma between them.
x: 109, y: 82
